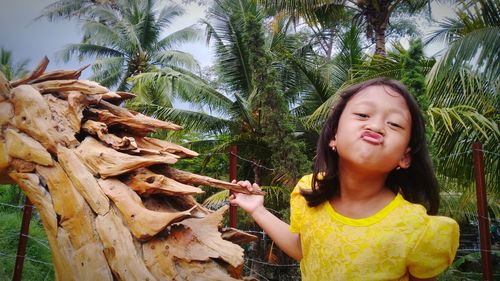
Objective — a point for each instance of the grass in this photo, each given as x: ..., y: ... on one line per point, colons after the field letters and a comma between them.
x: 38, y: 260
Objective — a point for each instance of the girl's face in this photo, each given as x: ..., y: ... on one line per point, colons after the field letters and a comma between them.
x: 374, y: 131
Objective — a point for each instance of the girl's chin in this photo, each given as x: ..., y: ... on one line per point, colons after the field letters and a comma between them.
x: 369, y: 162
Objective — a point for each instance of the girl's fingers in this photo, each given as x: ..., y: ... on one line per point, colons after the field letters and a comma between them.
x: 246, y: 184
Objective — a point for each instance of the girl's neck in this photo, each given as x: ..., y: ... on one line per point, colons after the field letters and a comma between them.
x: 361, y: 194
x: 356, y: 185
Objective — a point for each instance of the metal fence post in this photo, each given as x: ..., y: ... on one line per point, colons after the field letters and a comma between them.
x: 232, y: 176
x: 482, y: 211
x: 23, y: 241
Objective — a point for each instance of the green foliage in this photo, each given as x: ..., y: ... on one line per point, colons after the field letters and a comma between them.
x: 463, y: 87
x: 12, y: 195
x: 272, y: 109
x: 37, y: 263
x: 413, y: 74
x: 473, y: 39
x: 9, y: 68
x: 157, y: 92
x: 468, y: 268
x: 125, y: 37
x: 373, y: 15
x: 327, y: 78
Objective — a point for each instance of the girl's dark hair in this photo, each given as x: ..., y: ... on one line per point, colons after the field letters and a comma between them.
x: 417, y: 183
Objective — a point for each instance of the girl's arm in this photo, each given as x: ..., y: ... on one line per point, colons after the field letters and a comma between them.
x: 278, y: 230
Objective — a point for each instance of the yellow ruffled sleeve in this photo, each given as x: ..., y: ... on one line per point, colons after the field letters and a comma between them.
x: 298, y: 203
x: 435, y: 249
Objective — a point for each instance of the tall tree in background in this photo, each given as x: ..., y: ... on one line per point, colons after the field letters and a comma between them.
x: 251, y: 107
x: 331, y: 77
x: 261, y: 88
x: 375, y: 15
x: 69, y: 9
x: 413, y: 73
x: 125, y: 37
x: 464, y: 89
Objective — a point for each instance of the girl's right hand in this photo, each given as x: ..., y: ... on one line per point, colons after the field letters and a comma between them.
x: 248, y: 202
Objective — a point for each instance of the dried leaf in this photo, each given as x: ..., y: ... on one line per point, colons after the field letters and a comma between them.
x: 22, y: 146
x: 143, y: 223
x: 107, y: 162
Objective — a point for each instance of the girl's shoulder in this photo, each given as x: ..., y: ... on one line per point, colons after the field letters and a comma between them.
x: 436, y: 240
x: 416, y: 215
x: 305, y: 183
x: 298, y: 204
x: 297, y: 201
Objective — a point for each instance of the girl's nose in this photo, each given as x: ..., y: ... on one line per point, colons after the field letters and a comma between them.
x: 376, y: 126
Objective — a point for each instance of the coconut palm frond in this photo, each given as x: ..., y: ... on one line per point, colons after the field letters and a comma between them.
x: 216, y: 200
x: 12, y: 70
x: 108, y: 71
x: 88, y: 50
x: 465, y: 119
x: 178, y: 59
x: 176, y: 39
x: 478, y: 52
x: 474, y: 38
x: 187, y: 87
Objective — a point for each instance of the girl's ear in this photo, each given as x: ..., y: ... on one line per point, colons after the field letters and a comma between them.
x: 405, y: 161
x: 333, y: 144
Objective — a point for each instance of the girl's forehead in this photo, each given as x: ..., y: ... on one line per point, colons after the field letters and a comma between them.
x: 379, y: 94
x: 383, y: 97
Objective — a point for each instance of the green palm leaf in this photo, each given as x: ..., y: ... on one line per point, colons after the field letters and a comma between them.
x: 463, y: 118
x: 215, y: 200
x: 187, y: 87
x: 464, y: 85
x: 173, y: 40
x: 86, y: 49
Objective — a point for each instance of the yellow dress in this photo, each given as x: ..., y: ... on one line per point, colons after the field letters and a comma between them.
x: 399, y: 240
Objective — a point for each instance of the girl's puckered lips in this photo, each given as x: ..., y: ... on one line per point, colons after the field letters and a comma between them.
x: 372, y: 137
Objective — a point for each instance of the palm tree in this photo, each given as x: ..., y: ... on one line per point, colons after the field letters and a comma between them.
x: 68, y: 9
x: 9, y: 68
x: 253, y: 107
x: 125, y: 36
x: 464, y: 88
x: 329, y: 77
x: 375, y: 15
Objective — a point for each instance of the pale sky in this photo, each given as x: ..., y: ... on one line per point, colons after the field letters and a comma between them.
x: 29, y: 39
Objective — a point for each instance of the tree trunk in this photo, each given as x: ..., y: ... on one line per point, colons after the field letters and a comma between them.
x: 111, y: 205
x: 377, y: 15
x: 380, y: 41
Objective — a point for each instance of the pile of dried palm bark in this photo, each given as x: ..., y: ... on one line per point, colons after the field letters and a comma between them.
x: 112, y: 205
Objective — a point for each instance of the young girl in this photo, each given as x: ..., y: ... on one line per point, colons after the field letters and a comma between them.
x: 366, y: 211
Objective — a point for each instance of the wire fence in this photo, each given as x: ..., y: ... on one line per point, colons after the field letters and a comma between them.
x: 263, y: 261
x: 452, y: 155
x: 37, y: 260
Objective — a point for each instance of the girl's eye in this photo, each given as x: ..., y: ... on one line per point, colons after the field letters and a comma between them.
x: 362, y: 115
x: 394, y: 124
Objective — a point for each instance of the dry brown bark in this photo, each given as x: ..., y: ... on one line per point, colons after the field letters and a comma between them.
x: 111, y: 204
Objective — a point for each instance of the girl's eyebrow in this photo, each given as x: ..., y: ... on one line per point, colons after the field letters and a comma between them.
x: 396, y: 110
